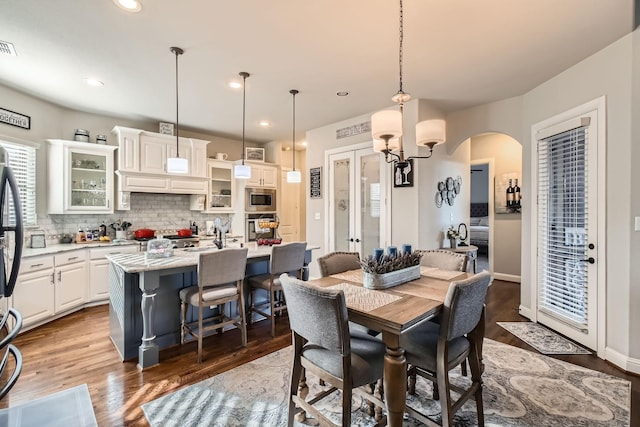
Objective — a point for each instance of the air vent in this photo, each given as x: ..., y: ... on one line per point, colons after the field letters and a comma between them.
x: 7, y: 48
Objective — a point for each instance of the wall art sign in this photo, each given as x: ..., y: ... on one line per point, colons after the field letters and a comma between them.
x: 15, y: 119
x: 255, y: 154
x: 353, y: 130
x: 403, y: 177
x: 315, y: 183
x: 166, y: 128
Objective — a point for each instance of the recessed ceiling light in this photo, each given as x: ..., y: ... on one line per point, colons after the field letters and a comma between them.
x: 264, y: 123
x: 129, y: 5
x: 235, y: 85
x: 342, y: 93
x: 93, y: 82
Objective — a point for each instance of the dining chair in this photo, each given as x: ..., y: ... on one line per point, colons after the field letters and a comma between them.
x: 324, y: 346
x: 445, y: 260
x: 338, y: 262
x: 432, y: 350
x: 285, y: 258
x: 220, y: 278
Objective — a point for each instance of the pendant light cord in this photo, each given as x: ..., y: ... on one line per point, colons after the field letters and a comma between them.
x: 401, y: 45
x: 177, y: 51
x: 244, y: 90
x: 293, y: 136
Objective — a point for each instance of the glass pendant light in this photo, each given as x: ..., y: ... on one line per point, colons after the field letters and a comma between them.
x: 177, y: 164
x: 294, y: 176
x: 243, y: 171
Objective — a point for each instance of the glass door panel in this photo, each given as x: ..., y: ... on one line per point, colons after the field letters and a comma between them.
x: 221, y: 193
x: 341, y: 203
x: 370, y: 201
x: 88, y: 180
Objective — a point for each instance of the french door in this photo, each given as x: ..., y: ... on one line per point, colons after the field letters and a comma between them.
x: 567, y: 228
x: 356, y: 202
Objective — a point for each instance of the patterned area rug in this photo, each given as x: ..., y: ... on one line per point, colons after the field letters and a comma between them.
x: 542, y: 339
x: 522, y: 388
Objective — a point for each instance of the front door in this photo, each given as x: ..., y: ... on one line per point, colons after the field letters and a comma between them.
x: 567, y: 227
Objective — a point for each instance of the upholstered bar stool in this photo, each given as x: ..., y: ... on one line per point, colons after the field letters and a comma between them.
x: 220, y: 277
x: 285, y: 258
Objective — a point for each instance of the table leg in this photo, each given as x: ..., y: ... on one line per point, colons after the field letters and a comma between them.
x: 395, y: 379
x: 148, y: 352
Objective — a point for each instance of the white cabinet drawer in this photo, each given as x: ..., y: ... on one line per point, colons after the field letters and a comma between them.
x: 100, y: 253
x: 70, y: 257
x: 35, y: 263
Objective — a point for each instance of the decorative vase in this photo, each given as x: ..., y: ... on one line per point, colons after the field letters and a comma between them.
x: 453, y: 242
x: 387, y: 280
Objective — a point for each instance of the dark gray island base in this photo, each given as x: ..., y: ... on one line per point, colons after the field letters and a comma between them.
x: 144, y: 307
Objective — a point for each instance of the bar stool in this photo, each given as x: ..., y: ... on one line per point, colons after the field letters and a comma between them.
x: 217, y: 272
x: 285, y: 258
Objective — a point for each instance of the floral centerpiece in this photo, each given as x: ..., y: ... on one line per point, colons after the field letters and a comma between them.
x: 390, y: 270
x: 453, y: 235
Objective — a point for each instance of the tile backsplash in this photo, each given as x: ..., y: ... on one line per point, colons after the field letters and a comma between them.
x: 161, y: 212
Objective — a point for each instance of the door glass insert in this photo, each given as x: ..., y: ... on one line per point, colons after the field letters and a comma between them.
x: 341, y: 204
x: 370, y: 197
x: 88, y: 180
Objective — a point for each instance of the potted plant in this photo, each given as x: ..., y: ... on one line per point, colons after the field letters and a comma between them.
x: 453, y: 236
x: 390, y: 270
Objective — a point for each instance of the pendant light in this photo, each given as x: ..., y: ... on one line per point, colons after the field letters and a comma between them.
x: 294, y: 176
x: 177, y: 164
x: 243, y: 171
x: 387, y: 125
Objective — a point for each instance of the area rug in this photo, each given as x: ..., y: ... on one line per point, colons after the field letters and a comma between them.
x: 522, y: 388
x: 542, y: 339
x: 70, y: 407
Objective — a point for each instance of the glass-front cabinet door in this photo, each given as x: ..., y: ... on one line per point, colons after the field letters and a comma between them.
x: 221, y: 186
x: 83, y: 176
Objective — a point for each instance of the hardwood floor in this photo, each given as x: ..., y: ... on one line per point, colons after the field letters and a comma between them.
x: 77, y: 349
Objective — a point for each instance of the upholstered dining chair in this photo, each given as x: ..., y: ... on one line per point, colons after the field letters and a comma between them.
x: 432, y: 350
x: 220, y: 277
x: 338, y: 262
x: 324, y: 346
x: 285, y: 258
x: 445, y: 260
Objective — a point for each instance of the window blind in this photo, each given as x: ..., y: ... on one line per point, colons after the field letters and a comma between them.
x: 22, y: 160
x: 562, y: 217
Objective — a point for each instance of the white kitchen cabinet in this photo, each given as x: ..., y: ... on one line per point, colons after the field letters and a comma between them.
x: 99, y: 270
x: 33, y: 295
x: 222, y: 187
x: 263, y: 176
x: 70, y: 280
x: 80, y: 177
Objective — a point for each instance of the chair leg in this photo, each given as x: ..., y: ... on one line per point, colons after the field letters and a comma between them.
x: 243, y: 318
x: 445, y: 401
x: 346, y: 406
x: 293, y: 389
x: 411, y: 380
x: 183, y: 321
x: 252, y: 299
x: 273, y: 314
x: 380, y: 392
x: 200, y: 334
x: 463, y: 368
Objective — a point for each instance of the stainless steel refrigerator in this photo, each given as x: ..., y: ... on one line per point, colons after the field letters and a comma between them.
x: 11, y: 241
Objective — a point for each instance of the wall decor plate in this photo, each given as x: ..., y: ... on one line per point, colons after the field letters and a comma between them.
x: 438, y: 199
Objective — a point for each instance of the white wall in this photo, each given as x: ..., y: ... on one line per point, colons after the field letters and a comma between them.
x: 609, y: 73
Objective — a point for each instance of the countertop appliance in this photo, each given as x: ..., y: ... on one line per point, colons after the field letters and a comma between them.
x: 11, y: 241
x: 260, y: 200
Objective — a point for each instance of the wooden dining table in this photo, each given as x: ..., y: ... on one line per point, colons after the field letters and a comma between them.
x: 393, y: 311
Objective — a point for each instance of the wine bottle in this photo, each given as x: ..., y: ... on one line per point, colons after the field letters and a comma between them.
x: 510, y: 194
x: 516, y: 194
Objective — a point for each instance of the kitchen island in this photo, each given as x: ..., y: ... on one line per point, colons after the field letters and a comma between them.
x: 144, y: 307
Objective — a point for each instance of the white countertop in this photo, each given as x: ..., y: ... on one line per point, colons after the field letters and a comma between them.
x: 137, y: 263
x: 65, y: 247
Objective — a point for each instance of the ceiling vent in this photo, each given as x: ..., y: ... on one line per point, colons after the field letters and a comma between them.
x: 7, y: 48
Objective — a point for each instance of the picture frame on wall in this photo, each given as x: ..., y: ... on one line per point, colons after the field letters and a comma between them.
x: 166, y: 128
x: 508, y: 198
x: 254, y: 154
x: 403, y: 177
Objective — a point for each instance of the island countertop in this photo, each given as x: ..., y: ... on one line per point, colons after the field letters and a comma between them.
x: 139, y: 263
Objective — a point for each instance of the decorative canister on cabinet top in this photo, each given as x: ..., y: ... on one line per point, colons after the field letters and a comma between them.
x: 81, y: 135
x: 101, y: 139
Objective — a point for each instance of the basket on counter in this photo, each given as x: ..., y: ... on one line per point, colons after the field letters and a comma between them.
x: 268, y: 224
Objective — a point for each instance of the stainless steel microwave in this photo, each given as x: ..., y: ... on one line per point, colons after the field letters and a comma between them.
x: 260, y: 200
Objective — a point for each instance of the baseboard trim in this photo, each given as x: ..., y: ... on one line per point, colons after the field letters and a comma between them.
x: 526, y: 312
x: 628, y: 364
x: 506, y: 277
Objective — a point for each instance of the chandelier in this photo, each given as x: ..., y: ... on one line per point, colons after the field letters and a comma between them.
x: 387, y: 125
